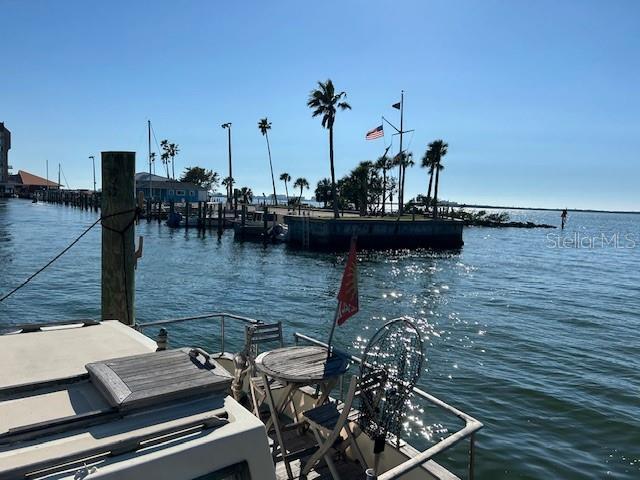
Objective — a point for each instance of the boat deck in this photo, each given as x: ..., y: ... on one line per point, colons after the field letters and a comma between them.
x: 346, y: 467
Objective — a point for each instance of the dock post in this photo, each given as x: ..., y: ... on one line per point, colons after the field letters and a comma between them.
x: 220, y: 227
x: 187, y: 208
x: 235, y: 204
x: 265, y: 226
x: 118, y: 250
x: 200, y: 219
x: 149, y: 203
x: 224, y: 217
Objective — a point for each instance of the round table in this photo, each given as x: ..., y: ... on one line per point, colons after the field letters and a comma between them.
x: 303, y: 365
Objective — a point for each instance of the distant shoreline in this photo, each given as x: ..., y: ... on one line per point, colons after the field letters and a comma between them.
x: 547, y: 209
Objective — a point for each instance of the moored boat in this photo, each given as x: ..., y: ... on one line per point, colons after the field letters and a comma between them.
x: 101, y: 400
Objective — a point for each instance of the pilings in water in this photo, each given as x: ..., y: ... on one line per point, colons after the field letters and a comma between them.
x: 118, y: 250
x: 82, y: 199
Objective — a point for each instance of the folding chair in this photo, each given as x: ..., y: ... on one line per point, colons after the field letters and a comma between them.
x: 255, y: 336
x: 329, y: 420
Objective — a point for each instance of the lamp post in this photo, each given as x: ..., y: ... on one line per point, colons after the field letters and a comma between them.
x: 230, y: 186
x: 93, y: 161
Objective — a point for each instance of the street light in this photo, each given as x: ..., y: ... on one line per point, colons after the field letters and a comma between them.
x: 230, y: 186
x: 93, y: 160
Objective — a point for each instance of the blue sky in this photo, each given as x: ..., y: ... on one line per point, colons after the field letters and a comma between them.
x: 538, y: 101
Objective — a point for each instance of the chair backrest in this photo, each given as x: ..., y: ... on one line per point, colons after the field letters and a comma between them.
x: 262, y: 333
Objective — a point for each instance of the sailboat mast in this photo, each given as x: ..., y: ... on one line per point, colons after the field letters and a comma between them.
x: 58, y: 175
x: 149, y: 144
x: 401, y: 173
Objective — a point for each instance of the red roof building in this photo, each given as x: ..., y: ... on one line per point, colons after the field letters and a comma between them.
x: 25, y: 182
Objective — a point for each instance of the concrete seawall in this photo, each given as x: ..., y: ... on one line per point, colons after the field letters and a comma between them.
x: 320, y: 233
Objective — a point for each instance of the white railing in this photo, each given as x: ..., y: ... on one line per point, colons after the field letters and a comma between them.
x: 222, y: 316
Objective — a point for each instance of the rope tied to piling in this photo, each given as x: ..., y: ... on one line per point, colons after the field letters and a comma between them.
x: 136, y: 211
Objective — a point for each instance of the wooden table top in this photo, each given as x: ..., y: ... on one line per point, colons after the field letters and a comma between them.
x: 303, y: 364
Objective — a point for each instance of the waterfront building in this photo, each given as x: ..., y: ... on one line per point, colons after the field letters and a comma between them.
x: 25, y: 184
x: 6, y: 188
x: 167, y: 190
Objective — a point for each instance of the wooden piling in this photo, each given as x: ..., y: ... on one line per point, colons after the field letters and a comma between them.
x: 265, y: 226
x: 118, y: 250
x: 220, y: 219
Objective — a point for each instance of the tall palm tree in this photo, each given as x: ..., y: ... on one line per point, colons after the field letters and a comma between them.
x: 325, y: 102
x: 301, y: 183
x: 384, y: 163
x: 264, y: 126
x: 438, y: 149
x: 285, y: 177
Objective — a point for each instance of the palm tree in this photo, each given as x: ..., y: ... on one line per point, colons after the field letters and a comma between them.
x: 438, y: 149
x: 384, y: 163
x: 301, y: 183
x: 325, y: 102
x: 402, y: 160
x: 247, y: 195
x: 170, y: 150
x: 264, y: 126
x: 323, y: 191
x: 428, y: 163
x: 285, y: 177
x: 228, y: 182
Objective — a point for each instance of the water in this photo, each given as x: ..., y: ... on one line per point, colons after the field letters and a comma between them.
x: 540, y: 343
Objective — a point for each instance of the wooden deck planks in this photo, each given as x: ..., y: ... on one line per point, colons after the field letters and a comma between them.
x: 140, y: 380
x: 301, y: 364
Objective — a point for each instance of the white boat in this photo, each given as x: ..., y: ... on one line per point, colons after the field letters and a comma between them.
x: 97, y: 400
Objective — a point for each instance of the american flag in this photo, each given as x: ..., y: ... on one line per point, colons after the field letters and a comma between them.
x: 375, y: 133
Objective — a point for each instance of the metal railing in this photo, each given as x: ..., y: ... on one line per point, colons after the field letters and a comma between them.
x: 222, y: 316
x: 471, y: 425
x: 468, y: 431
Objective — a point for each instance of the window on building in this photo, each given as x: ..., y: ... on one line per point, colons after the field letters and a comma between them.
x: 179, y: 193
x: 169, y: 192
x: 192, y: 193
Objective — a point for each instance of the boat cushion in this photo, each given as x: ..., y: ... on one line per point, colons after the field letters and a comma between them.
x: 157, y: 377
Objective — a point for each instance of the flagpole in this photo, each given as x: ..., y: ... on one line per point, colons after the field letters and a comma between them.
x: 401, y: 176
x: 333, y: 328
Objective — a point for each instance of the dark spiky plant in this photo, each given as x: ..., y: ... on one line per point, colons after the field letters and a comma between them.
x: 436, y: 151
x: 264, y: 125
x: 325, y: 102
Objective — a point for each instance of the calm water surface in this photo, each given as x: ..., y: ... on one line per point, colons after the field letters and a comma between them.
x: 533, y: 332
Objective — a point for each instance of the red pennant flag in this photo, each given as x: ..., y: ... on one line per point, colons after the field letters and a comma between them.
x: 348, y: 294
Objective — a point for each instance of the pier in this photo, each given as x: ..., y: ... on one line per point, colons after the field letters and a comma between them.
x: 374, y: 232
